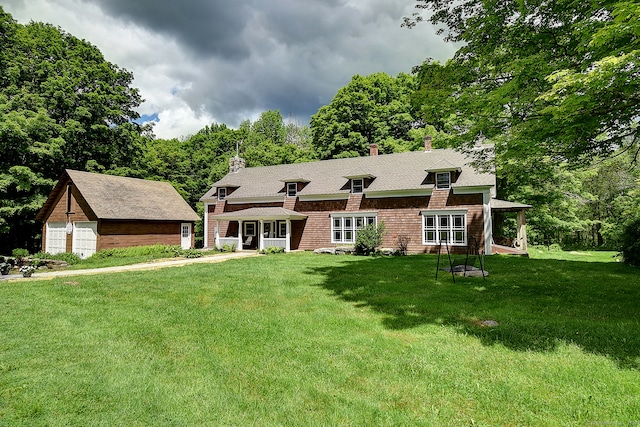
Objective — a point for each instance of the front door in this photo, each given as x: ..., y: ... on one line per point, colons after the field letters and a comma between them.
x: 185, y: 235
x: 250, y: 235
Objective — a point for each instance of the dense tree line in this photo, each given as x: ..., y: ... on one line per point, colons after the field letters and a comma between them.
x: 61, y: 106
x: 513, y: 83
x: 555, y: 87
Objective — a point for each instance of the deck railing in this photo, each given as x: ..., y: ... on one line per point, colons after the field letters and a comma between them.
x: 277, y: 242
x: 228, y: 241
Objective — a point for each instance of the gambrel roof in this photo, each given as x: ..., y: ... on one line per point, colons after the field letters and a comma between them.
x: 389, y: 174
x: 122, y: 198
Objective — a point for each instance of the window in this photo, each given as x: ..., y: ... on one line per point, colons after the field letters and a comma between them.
x: 443, y: 180
x: 292, y: 189
x: 444, y: 227
x: 357, y: 185
x: 222, y: 193
x: 249, y: 229
x: 345, y: 227
x: 282, y: 229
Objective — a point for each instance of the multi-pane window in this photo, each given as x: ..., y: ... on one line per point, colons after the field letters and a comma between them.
x: 357, y: 185
x: 292, y: 189
x: 444, y: 227
x: 274, y: 229
x: 345, y: 227
x: 222, y: 193
x: 443, y: 180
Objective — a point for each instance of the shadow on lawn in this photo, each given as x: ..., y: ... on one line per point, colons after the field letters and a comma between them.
x: 537, y: 303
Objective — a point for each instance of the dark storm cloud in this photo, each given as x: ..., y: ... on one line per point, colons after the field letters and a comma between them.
x: 204, y: 26
x: 198, y: 61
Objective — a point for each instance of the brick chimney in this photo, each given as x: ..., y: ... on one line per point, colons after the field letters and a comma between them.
x: 235, y: 164
x: 427, y: 143
x: 373, y: 149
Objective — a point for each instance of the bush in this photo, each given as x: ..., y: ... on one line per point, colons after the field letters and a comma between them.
x: 157, y: 251
x: 631, y: 242
x: 369, y: 238
x: 228, y: 248
x: 189, y: 253
x: 272, y: 250
x: 402, y: 243
x: 68, y: 257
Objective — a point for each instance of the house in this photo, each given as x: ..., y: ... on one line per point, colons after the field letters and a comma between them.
x: 431, y: 196
x: 88, y: 212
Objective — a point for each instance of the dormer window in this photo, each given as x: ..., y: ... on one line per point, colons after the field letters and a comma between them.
x: 292, y: 189
x: 357, y: 185
x: 222, y: 193
x: 443, y: 180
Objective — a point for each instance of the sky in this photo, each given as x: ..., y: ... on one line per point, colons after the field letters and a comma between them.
x: 198, y: 62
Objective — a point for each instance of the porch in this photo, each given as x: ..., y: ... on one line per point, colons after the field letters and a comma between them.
x: 519, y: 245
x: 258, y: 228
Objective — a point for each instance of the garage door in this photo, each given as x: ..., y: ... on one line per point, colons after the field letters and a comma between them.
x: 56, y: 241
x: 85, y: 238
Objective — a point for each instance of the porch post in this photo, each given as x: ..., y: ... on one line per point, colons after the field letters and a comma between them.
x: 217, y: 235
x: 261, y: 233
x: 239, y: 235
x: 287, y: 243
x: 205, y: 224
x: 522, y: 230
x: 488, y: 226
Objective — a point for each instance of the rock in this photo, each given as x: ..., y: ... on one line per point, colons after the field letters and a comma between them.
x: 489, y: 323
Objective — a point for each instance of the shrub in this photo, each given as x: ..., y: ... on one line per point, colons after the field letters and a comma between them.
x: 228, y: 248
x: 158, y: 251
x: 68, y: 257
x: 631, y: 242
x: 402, y: 243
x: 369, y: 238
x: 272, y: 250
x: 189, y: 253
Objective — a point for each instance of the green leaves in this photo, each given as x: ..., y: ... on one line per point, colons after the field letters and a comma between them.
x: 61, y: 106
x: 562, y: 75
x: 372, y: 109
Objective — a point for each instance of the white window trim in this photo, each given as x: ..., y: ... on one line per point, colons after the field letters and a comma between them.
x: 282, y: 229
x: 451, y: 230
x: 347, y: 225
x: 357, y: 189
x: 245, y: 228
x: 222, y: 193
x: 292, y: 186
x: 448, y: 182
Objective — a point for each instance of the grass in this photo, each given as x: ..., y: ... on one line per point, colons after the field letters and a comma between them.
x: 303, y: 339
x: 127, y: 256
x: 541, y: 252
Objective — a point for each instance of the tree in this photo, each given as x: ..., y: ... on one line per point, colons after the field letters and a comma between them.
x: 371, y: 109
x: 62, y: 105
x: 269, y: 141
x: 556, y: 79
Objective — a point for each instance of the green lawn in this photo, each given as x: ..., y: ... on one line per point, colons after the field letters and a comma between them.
x: 320, y: 340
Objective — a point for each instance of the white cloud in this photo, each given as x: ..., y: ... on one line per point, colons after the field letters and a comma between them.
x: 197, y: 62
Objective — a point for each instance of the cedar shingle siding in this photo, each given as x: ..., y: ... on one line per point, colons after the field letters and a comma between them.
x: 127, y: 211
x: 398, y: 188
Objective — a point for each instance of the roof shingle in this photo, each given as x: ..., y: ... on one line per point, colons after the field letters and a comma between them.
x: 392, y: 172
x: 116, y: 197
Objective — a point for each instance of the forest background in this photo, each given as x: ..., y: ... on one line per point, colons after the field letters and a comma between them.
x: 554, y: 89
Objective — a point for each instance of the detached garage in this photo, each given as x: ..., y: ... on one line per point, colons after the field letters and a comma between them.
x: 88, y: 212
